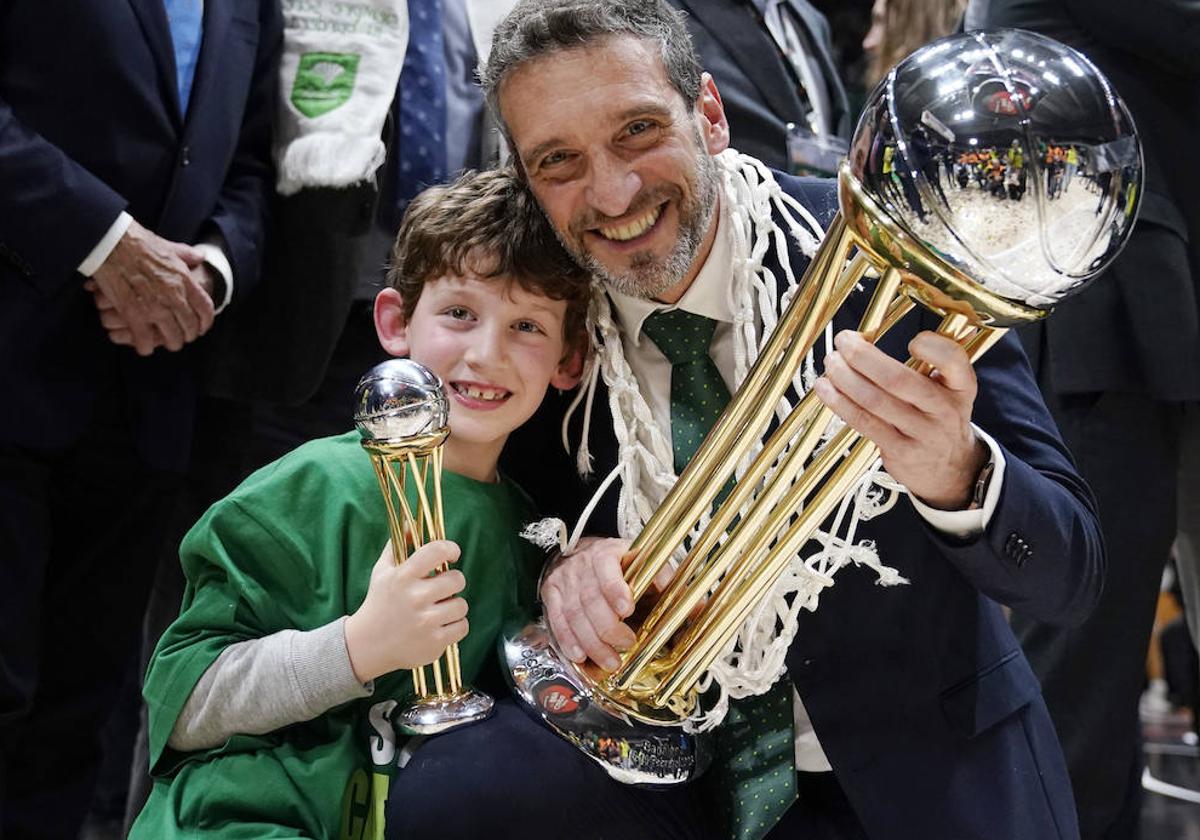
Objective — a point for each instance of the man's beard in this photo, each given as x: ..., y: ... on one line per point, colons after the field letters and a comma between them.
x: 648, y: 276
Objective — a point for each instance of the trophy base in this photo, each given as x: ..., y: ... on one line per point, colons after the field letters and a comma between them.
x: 551, y: 688
x: 432, y: 715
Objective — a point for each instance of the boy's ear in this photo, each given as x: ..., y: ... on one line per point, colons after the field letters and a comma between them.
x: 390, y: 324
x: 570, y: 371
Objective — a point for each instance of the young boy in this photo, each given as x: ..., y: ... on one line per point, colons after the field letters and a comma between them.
x: 270, y: 696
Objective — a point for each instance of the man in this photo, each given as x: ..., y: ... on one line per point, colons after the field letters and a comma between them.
x: 1118, y: 367
x: 918, y: 715
x: 773, y: 61
x: 134, y: 151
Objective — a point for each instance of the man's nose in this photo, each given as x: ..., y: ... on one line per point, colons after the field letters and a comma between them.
x: 613, y: 184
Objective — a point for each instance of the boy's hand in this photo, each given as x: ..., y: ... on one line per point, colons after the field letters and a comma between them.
x: 408, y: 617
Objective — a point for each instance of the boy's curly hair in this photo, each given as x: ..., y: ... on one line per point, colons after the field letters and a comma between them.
x: 491, y: 220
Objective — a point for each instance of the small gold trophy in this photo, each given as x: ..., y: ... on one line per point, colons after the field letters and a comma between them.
x: 402, y: 412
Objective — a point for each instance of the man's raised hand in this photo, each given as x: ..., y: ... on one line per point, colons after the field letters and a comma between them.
x: 921, y: 424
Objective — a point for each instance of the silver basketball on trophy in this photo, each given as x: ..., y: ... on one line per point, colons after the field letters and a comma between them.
x: 1012, y: 159
x: 400, y: 399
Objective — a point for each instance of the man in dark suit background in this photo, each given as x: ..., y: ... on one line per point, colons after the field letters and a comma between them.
x: 1117, y: 365
x: 772, y: 60
x: 134, y: 150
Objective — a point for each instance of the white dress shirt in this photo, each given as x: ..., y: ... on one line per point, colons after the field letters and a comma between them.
x: 708, y: 296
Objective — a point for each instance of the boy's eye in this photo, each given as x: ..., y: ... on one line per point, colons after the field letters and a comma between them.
x: 459, y: 313
x: 527, y: 327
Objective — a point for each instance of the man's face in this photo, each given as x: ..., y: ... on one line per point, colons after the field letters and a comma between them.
x: 620, y: 163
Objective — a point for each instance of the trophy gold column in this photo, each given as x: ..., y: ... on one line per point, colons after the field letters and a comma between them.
x: 401, y: 412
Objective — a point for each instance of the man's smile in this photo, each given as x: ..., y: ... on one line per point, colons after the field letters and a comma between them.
x: 634, y: 228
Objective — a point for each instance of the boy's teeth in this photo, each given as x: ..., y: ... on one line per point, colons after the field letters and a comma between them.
x: 633, y: 229
x: 481, y: 393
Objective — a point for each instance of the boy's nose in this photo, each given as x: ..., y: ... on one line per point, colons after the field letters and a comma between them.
x: 488, y: 348
x: 613, y: 185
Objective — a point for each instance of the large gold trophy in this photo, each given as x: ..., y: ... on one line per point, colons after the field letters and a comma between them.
x: 401, y: 412
x: 991, y: 175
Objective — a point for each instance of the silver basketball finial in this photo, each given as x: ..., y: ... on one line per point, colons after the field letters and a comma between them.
x: 1009, y: 155
x: 399, y: 399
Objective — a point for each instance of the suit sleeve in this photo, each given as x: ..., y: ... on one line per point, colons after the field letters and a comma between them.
x: 1042, y: 553
x: 241, y: 210
x: 52, y: 211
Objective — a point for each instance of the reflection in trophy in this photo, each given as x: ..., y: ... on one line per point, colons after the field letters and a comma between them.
x: 991, y: 175
x: 402, y: 412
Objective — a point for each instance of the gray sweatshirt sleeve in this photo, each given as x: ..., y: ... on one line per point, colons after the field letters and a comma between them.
x: 261, y: 685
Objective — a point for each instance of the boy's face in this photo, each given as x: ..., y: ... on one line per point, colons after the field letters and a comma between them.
x: 495, y: 345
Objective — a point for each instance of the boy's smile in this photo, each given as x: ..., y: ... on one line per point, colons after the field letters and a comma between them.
x: 496, y: 346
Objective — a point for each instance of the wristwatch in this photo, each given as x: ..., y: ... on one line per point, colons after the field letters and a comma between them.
x: 981, y: 485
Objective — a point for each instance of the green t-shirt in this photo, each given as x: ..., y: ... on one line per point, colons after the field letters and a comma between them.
x: 293, y: 548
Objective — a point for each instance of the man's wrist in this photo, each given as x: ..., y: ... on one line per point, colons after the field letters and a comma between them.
x: 982, y: 482
x: 92, y: 262
x: 218, y: 267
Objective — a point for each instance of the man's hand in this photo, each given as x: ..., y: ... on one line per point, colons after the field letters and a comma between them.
x: 118, y: 328
x: 408, y: 618
x: 921, y: 424
x: 586, y: 598
x: 155, y: 288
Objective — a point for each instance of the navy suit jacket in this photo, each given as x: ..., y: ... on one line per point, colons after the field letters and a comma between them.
x: 920, y: 695
x: 759, y: 88
x: 90, y: 125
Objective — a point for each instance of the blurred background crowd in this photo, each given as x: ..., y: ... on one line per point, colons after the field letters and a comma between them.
x: 181, y: 302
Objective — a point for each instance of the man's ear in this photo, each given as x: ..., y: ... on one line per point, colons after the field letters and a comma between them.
x: 390, y: 323
x: 714, y: 128
x: 570, y: 371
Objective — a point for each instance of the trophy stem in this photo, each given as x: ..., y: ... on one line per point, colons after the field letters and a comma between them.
x: 443, y: 702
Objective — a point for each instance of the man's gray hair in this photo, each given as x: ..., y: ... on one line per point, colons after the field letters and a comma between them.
x: 535, y: 28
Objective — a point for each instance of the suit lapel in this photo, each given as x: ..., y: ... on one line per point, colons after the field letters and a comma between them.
x: 217, y: 14
x: 152, y: 16
x: 751, y: 47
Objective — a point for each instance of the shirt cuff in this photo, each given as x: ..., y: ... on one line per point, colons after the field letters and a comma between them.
x: 214, y: 256
x: 92, y: 262
x: 322, y: 671
x: 967, y: 524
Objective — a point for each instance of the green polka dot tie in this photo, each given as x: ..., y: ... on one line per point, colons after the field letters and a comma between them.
x: 698, y: 392
x: 754, y: 776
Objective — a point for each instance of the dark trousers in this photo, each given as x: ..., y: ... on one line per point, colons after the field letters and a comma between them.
x: 80, y: 531
x: 1126, y: 446
x: 511, y: 777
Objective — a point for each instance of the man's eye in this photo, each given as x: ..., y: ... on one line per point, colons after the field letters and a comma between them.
x: 638, y: 127
x: 553, y: 159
